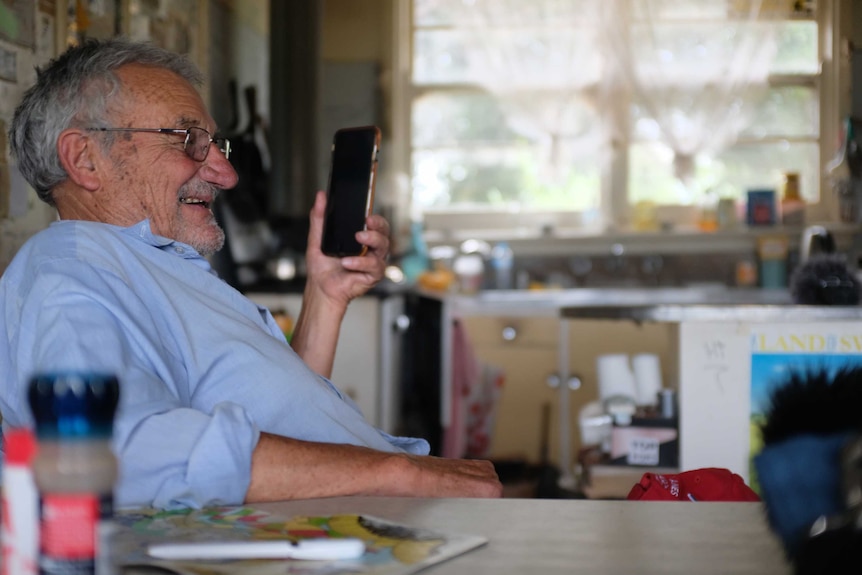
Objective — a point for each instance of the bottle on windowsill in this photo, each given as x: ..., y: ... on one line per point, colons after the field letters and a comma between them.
x: 792, y: 204
x: 708, y: 218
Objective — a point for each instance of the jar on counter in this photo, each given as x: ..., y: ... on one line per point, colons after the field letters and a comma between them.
x: 746, y: 273
x: 470, y: 271
x: 772, y: 253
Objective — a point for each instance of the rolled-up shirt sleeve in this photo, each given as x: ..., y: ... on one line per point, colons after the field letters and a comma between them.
x: 183, y: 457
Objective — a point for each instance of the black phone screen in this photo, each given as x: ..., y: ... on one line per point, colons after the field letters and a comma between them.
x: 351, y: 189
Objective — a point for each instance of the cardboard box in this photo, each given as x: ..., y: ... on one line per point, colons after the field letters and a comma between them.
x: 647, y: 442
x: 761, y: 208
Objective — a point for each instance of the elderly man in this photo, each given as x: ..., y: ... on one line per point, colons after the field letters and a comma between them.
x: 215, y: 406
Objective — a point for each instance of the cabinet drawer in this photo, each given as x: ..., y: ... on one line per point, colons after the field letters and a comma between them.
x: 522, y: 331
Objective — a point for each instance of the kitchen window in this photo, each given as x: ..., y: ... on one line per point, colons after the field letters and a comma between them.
x: 577, y: 114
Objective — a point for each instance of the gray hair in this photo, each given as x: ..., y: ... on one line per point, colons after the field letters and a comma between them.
x: 74, y: 90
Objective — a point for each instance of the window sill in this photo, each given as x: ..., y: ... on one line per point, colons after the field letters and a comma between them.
x: 578, y: 241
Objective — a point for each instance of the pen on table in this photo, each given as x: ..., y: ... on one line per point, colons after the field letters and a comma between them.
x: 322, y: 549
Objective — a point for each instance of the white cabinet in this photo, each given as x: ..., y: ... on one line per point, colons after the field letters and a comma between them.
x: 368, y: 352
x: 525, y: 349
x: 528, y: 349
x: 585, y: 323
x: 730, y: 357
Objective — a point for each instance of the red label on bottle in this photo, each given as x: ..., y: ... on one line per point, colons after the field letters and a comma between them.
x: 68, y: 526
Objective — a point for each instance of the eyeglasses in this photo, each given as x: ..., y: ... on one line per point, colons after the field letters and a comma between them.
x: 196, y: 144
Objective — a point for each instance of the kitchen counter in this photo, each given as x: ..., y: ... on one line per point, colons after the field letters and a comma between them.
x: 550, y: 302
x: 712, y: 312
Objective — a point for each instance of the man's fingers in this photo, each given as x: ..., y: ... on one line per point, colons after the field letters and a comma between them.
x: 378, y: 223
x: 374, y: 240
x: 315, y: 223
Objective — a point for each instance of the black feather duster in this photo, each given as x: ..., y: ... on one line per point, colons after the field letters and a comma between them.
x: 815, y: 401
x: 825, y: 279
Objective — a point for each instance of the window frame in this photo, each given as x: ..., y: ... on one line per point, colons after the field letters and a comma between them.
x: 615, y: 211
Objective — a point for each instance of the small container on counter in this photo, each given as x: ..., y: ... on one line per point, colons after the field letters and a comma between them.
x: 727, y: 213
x: 667, y: 405
x: 502, y: 261
x: 470, y: 271
x: 772, y: 253
x: 746, y: 273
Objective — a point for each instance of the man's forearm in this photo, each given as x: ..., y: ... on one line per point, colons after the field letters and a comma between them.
x: 284, y: 468
x: 315, y: 337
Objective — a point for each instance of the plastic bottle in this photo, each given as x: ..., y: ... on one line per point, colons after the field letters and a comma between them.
x: 502, y: 261
x: 20, y: 531
x: 74, y: 470
x: 708, y: 221
x: 416, y: 260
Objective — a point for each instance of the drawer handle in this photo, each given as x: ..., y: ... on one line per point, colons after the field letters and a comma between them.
x: 509, y: 333
x: 573, y: 383
x: 401, y: 323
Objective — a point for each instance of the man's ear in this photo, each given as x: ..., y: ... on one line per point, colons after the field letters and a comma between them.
x: 78, y: 156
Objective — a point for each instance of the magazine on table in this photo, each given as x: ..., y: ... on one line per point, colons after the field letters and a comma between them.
x: 390, y: 548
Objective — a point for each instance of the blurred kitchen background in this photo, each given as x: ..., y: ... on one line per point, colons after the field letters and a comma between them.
x: 530, y: 150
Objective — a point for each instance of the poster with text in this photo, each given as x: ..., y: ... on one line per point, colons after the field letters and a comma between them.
x: 781, y: 349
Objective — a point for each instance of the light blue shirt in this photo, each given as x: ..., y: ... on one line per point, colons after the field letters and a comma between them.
x: 202, y: 369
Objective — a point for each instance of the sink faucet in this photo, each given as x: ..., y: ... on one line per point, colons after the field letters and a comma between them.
x: 615, y: 263
x: 651, y: 267
x: 815, y: 239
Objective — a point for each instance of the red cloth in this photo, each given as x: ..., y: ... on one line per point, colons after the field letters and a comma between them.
x: 708, y: 484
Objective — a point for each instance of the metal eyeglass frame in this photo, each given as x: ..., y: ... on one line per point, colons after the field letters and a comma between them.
x: 197, y: 152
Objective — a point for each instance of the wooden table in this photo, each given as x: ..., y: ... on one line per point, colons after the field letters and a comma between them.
x: 548, y: 536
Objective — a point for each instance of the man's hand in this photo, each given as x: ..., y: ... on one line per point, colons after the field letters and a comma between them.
x: 342, y: 279
x: 331, y: 284
x: 441, y: 477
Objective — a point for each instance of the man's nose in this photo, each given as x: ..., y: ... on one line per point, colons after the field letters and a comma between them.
x: 218, y: 170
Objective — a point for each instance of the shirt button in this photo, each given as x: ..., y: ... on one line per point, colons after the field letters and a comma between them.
x: 179, y: 250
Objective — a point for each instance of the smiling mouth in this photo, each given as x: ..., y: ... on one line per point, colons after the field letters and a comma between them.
x: 195, y: 202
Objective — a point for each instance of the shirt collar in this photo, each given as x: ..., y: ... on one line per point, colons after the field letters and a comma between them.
x: 144, y: 232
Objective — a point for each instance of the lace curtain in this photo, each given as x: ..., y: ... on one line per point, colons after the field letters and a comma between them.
x: 568, y: 72
x: 540, y: 59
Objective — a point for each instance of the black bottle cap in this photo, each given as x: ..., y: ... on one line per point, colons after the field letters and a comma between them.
x: 73, y: 404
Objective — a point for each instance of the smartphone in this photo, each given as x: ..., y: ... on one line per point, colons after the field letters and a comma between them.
x: 350, y: 192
